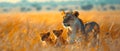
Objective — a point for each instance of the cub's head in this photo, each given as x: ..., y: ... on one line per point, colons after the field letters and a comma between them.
x: 58, y: 32
x: 45, y: 36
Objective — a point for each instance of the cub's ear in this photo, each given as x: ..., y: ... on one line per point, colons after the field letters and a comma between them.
x: 61, y: 30
x: 76, y: 13
x: 54, y: 31
x: 48, y: 33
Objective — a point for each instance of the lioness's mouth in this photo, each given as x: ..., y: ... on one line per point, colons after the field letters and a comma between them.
x: 65, y: 24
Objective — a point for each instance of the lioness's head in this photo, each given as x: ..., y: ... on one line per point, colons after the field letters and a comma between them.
x: 69, y: 17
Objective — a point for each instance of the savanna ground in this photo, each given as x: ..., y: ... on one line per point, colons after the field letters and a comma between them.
x: 21, y: 31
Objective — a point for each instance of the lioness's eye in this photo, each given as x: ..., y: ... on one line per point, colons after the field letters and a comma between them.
x: 70, y: 18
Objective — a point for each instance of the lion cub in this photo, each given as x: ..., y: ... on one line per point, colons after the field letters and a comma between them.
x: 54, y: 38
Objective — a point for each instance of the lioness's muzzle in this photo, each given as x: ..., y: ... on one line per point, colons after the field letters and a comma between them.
x: 66, y: 24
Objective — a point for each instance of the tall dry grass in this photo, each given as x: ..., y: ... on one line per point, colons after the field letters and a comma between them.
x: 21, y: 31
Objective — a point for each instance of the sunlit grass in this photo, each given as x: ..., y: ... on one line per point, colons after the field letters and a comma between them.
x: 21, y: 31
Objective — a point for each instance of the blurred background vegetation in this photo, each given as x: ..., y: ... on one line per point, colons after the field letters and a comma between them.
x: 54, y: 5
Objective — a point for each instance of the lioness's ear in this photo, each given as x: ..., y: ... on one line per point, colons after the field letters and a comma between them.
x: 76, y: 13
x: 62, y: 12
